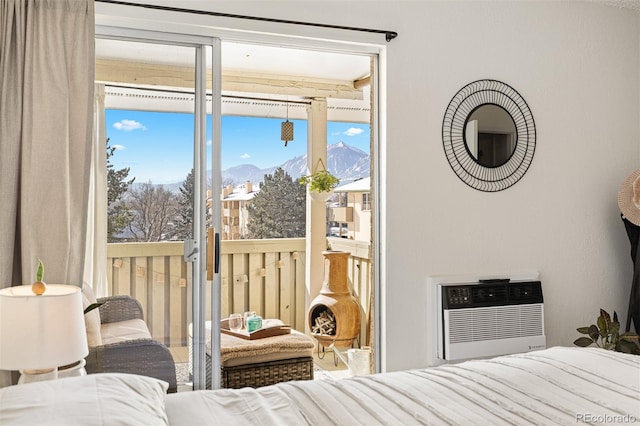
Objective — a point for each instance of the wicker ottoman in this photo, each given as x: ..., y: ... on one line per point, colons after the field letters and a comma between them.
x: 261, y: 362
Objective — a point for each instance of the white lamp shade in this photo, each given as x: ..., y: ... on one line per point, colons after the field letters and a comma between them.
x: 40, y: 332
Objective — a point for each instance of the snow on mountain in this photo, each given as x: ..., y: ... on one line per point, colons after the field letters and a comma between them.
x: 344, y: 161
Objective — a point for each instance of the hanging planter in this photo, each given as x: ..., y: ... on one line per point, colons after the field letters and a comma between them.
x: 321, y: 196
x: 320, y: 183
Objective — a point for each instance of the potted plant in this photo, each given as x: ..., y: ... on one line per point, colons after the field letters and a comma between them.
x: 606, y: 335
x: 320, y: 182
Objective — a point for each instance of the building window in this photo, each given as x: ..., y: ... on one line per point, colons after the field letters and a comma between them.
x: 366, y: 201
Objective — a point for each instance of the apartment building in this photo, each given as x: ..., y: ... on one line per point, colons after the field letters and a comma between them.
x: 234, y: 209
x: 350, y: 215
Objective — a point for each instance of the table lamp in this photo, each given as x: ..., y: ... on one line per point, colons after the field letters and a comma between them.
x: 39, y: 333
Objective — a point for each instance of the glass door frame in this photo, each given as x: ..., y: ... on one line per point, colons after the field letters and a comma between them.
x: 198, y: 245
x: 320, y: 40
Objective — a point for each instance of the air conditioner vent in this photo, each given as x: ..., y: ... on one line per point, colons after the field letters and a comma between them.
x: 525, y: 292
x: 481, y: 320
x: 489, y: 294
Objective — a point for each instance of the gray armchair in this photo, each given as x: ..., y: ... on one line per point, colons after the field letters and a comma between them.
x: 130, y: 348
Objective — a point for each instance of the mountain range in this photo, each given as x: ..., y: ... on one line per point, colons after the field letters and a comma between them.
x: 346, y: 162
x: 343, y: 161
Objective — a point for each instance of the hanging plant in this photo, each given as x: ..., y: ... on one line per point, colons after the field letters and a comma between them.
x: 321, y: 180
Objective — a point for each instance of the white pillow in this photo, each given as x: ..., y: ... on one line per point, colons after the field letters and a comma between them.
x: 91, y: 319
x: 95, y: 399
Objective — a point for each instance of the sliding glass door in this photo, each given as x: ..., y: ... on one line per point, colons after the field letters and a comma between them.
x: 157, y: 129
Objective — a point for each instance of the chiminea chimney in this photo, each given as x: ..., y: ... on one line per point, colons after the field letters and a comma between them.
x: 334, y: 315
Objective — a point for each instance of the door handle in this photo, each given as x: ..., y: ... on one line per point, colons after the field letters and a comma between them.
x: 216, y: 268
x: 213, y: 253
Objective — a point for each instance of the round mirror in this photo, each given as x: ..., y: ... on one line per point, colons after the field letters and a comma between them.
x: 489, y: 135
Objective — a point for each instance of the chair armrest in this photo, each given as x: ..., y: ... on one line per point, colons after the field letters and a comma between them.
x: 119, y: 308
x: 141, y: 356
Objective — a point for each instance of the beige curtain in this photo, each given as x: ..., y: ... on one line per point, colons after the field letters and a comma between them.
x: 46, y: 122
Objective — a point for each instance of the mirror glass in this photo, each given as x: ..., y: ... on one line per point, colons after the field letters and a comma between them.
x: 490, y: 135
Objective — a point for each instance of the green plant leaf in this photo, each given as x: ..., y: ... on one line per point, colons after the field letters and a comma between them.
x: 92, y: 306
x: 628, y: 347
x: 603, y: 326
x: 630, y: 337
x: 607, y: 335
x: 614, y: 332
x: 583, y: 342
x: 321, y: 181
x: 40, y: 271
x: 594, y: 332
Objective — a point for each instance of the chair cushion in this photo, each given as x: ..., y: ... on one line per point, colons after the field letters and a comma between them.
x: 91, y: 319
x: 236, y: 351
x: 114, y: 332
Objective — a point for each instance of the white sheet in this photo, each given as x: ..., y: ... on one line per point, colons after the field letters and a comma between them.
x: 96, y: 399
x: 555, y: 386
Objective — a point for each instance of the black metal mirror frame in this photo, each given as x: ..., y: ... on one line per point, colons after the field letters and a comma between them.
x: 467, y: 100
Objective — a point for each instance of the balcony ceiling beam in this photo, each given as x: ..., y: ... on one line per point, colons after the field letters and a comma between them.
x: 136, y: 73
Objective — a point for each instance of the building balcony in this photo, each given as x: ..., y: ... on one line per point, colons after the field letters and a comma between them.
x: 266, y: 276
x: 341, y: 214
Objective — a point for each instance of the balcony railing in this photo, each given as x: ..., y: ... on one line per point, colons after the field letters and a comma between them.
x: 266, y: 276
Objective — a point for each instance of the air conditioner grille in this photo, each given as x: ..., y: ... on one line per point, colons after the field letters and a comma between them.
x: 499, y: 322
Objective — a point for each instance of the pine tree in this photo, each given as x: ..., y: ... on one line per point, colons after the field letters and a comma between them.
x: 118, y: 215
x: 279, y: 209
x: 184, y: 225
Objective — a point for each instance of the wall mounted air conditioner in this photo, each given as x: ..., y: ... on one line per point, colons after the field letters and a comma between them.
x: 485, y: 319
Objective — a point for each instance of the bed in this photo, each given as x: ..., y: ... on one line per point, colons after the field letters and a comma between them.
x: 559, y: 385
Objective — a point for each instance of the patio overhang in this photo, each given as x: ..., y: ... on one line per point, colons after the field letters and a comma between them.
x: 257, y: 80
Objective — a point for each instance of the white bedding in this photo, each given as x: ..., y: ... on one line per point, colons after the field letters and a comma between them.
x: 96, y: 399
x: 554, y: 386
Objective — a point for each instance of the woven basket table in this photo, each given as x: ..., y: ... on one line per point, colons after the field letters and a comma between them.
x: 292, y: 361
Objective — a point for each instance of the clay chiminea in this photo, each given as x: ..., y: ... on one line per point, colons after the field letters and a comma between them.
x: 334, y: 315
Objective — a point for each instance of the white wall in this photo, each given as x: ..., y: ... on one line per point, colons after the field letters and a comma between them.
x: 577, y: 64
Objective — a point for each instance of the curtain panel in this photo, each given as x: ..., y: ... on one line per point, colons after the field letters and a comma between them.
x: 46, y: 132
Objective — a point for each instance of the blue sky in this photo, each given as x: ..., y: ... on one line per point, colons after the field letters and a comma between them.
x: 158, y: 147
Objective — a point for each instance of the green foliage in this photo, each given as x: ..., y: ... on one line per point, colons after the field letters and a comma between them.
x: 184, y: 223
x: 118, y: 215
x: 320, y: 181
x: 279, y: 209
x: 93, y: 306
x: 40, y: 271
x: 606, y: 335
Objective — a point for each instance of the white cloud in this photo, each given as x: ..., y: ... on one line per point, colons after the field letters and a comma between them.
x: 118, y: 147
x: 353, y: 131
x: 129, y: 125
x: 245, y: 156
x: 209, y: 142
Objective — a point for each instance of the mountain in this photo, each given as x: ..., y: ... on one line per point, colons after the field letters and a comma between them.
x: 244, y: 172
x: 344, y: 161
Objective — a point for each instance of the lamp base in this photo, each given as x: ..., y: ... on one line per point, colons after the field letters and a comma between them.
x: 30, y: 376
x: 72, y: 370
